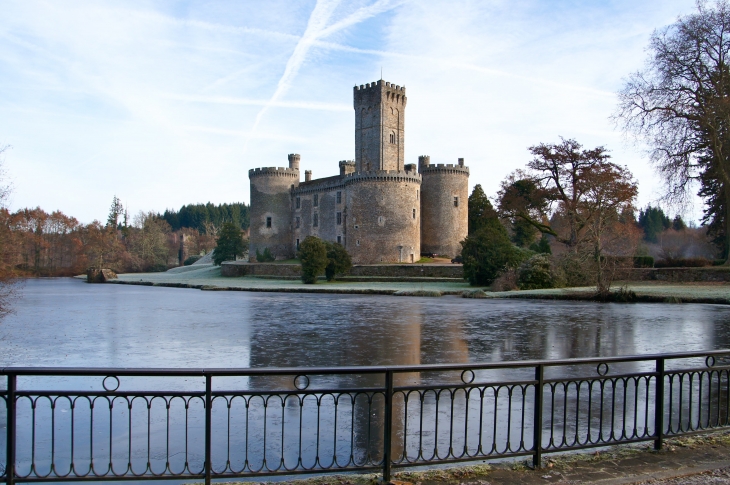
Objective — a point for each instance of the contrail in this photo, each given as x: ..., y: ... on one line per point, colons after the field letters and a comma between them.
x: 317, y: 22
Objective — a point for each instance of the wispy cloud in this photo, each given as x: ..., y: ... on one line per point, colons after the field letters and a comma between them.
x: 260, y: 102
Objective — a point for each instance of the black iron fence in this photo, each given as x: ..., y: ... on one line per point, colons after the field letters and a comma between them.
x: 66, y: 424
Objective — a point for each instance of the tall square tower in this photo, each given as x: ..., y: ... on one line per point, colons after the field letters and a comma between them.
x: 379, y: 126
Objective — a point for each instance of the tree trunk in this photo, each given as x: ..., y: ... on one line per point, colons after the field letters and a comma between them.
x: 727, y: 225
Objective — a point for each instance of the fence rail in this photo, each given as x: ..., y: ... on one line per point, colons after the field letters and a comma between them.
x: 73, y: 424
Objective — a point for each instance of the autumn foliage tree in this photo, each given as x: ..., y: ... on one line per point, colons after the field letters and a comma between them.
x: 576, y: 196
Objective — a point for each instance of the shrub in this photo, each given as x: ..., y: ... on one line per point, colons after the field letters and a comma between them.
x: 191, y: 259
x: 313, y: 255
x: 158, y: 268
x: 683, y: 263
x: 643, y: 262
x: 488, y: 252
x: 535, y: 273
x: 338, y: 260
x: 229, y: 244
x: 266, y: 257
x: 507, y: 281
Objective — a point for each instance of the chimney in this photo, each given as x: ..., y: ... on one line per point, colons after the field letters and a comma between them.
x: 307, y: 175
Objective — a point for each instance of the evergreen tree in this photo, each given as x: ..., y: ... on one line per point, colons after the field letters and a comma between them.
x: 116, y: 210
x: 338, y: 260
x: 480, y: 209
x: 229, y: 244
x: 678, y: 224
x: 653, y: 221
x: 488, y: 252
x: 313, y: 255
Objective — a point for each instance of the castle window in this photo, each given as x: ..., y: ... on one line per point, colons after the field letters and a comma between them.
x: 316, y: 200
x: 339, y: 239
x: 268, y: 222
x: 414, y: 213
x: 456, y: 202
x: 298, y: 222
x: 417, y: 194
x: 339, y: 218
x: 357, y: 243
x: 339, y: 197
x: 297, y: 244
x: 299, y: 202
x: 392, y: 138
x: 315, y: 220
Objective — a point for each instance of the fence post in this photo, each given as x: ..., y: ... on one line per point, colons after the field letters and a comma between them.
x: 10, y: 441
x: 208, y: 420
x: 388, y: 427
x: 659, y: 405
x: 537, y: 419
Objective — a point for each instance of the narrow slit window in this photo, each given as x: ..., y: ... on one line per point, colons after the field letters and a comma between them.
x: 316, y: 200
x: 339, y: 197
x: 297, y: 244
x: 299, y: 203
x: 339, y: 239
x: 339, y: 218
x: 268, y: 222
x: 298, y: 222
x: 315, y: 220
x: 456, y: 202
x: 414, y: 213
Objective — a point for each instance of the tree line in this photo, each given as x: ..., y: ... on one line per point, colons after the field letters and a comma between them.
x: 38, y: 243
x: 203, y: 217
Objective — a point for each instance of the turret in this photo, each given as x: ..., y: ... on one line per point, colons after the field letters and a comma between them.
x: 294, y: 161
x: 444, y: 206
x: 270, y: 209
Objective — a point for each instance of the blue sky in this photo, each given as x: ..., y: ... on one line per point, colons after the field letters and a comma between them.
x: 169, y: 103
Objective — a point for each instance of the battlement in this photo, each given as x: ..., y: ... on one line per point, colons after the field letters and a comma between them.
x: 273, y: 172
x: 444, y: 168
x: 380, y: 85
x: 383, y: 175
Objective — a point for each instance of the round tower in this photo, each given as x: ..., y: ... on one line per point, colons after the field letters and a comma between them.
x: 444, y: 206
x: 271, y: 209
x: 383, y: 220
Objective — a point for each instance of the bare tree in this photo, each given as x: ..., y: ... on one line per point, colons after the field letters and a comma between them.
x: 680, y: 106
x: 8, y: 280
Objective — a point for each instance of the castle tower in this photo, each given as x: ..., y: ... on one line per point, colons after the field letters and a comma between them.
x: 379, y: 122
x: 444, y: 206
x: 271, y: 209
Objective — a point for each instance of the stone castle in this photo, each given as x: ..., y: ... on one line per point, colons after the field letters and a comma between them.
x: 379, y: 208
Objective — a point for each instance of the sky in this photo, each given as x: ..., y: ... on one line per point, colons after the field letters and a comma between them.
x: 167, y: 103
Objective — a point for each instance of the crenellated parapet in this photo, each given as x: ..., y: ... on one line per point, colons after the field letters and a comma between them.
x: 444, y: 168
x: 384, y: 176
x: 273, y: 172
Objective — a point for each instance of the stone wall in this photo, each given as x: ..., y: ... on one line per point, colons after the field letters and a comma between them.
x: 239, y: 268
x: 681, y: 275
x: 444, y: 207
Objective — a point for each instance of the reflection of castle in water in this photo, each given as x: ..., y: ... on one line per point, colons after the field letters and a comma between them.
x: 386, y: 341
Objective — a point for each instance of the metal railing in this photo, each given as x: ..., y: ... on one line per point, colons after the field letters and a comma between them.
x: 67, y: 424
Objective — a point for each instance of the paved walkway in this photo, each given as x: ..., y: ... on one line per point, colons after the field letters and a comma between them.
x: 687, y: 461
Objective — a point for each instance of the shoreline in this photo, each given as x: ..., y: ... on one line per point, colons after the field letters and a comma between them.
x: 208, y: 278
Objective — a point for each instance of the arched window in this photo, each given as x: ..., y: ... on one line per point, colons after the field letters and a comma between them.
x: 392, y: 138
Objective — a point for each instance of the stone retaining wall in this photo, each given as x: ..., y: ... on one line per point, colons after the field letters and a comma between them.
x: 240, y: 268
x: 681, y: 275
